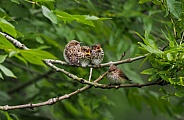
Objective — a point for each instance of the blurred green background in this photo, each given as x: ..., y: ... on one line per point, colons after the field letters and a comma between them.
x: 38, y: 25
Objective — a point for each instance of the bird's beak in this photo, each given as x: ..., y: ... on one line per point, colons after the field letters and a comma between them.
x: 98, y: 48
x: 88, y: 53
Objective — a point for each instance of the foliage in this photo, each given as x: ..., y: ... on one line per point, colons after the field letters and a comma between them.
x: 167, y: 64
x: 135, y: 27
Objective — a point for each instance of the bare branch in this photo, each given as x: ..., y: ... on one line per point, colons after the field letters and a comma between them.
x: 90, y: 74
x: 22, y: 46
x: 129, y: 60
x: 52, y: 100
x: 74, y: 77
x: 14, y: 41
x: 123, y: 55
x: 95, y: 84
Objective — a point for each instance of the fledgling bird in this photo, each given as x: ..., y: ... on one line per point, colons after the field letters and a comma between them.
x: 84, y: 56
x: 116, y: 76
x: 71, y: 52
x: 97, y: 54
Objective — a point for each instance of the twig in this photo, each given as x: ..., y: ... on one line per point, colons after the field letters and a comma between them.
x: 22, y: 46
x: 74, y: 77
x: 90, y: 74
x: 14, y: 41
x: 95, y: 84
x: 123, y: 55
x: 129, y: 60
x: 52, y: 100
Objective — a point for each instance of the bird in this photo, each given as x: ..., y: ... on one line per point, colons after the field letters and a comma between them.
x: 116, y: 75
x: 97, y: 54
x: 84, y: 56
x: 71, y: 52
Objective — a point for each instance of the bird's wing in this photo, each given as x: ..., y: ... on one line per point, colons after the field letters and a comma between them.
x: 123, y: 75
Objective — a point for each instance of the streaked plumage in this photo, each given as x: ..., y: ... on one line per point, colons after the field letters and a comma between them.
x: 97, y: 54
x: 71, y: 52
x: 116, y: 76
x: 84, y: 57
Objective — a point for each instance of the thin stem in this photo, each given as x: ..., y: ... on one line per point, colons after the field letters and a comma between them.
x: 90, y: 73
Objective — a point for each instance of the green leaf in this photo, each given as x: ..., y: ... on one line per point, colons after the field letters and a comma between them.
x: 88, y: 17
x: 148, y: 71
x: 39, y: 40
x: 170, y: 38
x: 4, y: 15
x: 175, y: 7
x: 7, y: 27
x: 143, y: 1
x: 2, y: 115
x: 144, y: 60
x: 1, y: 76
x: 149, y: 45
x: 49, y: 14
x: 181, y: 81
x: 82, y: 19
x: 43, y: 0
x: 149, y: 48
x: 153, y: 76
x: 64, y: 16
x: 13, y: 53
x: 85, y: 19
x: 148, y: 24
x: 36, y: 56
x: 165, y: 97
x: 69, y: 107
x: 179, y: 94
x: 15, y: 117
x: 7, y: 71
x: 169, y: 56
x: 15, y: 1
x: 8, y: 116
x: 2, y: 58
x: 5, y: 44
x: 21, y: 59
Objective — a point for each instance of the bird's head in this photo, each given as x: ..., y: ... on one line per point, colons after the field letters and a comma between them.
x: 74, y: 42
x: 112, y: 68
x: 96, y: 47
x: 86, y: 50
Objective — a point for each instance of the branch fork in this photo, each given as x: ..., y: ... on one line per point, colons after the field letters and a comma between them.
x: 88, y: 85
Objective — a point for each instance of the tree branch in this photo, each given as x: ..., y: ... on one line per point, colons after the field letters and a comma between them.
x: 14, y: 41
x: 129, y: 60
x: 52, y: 100
x: 22, y: 46
x: 95, y: 84
x: 90, y: 74
x: 74, y: 77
